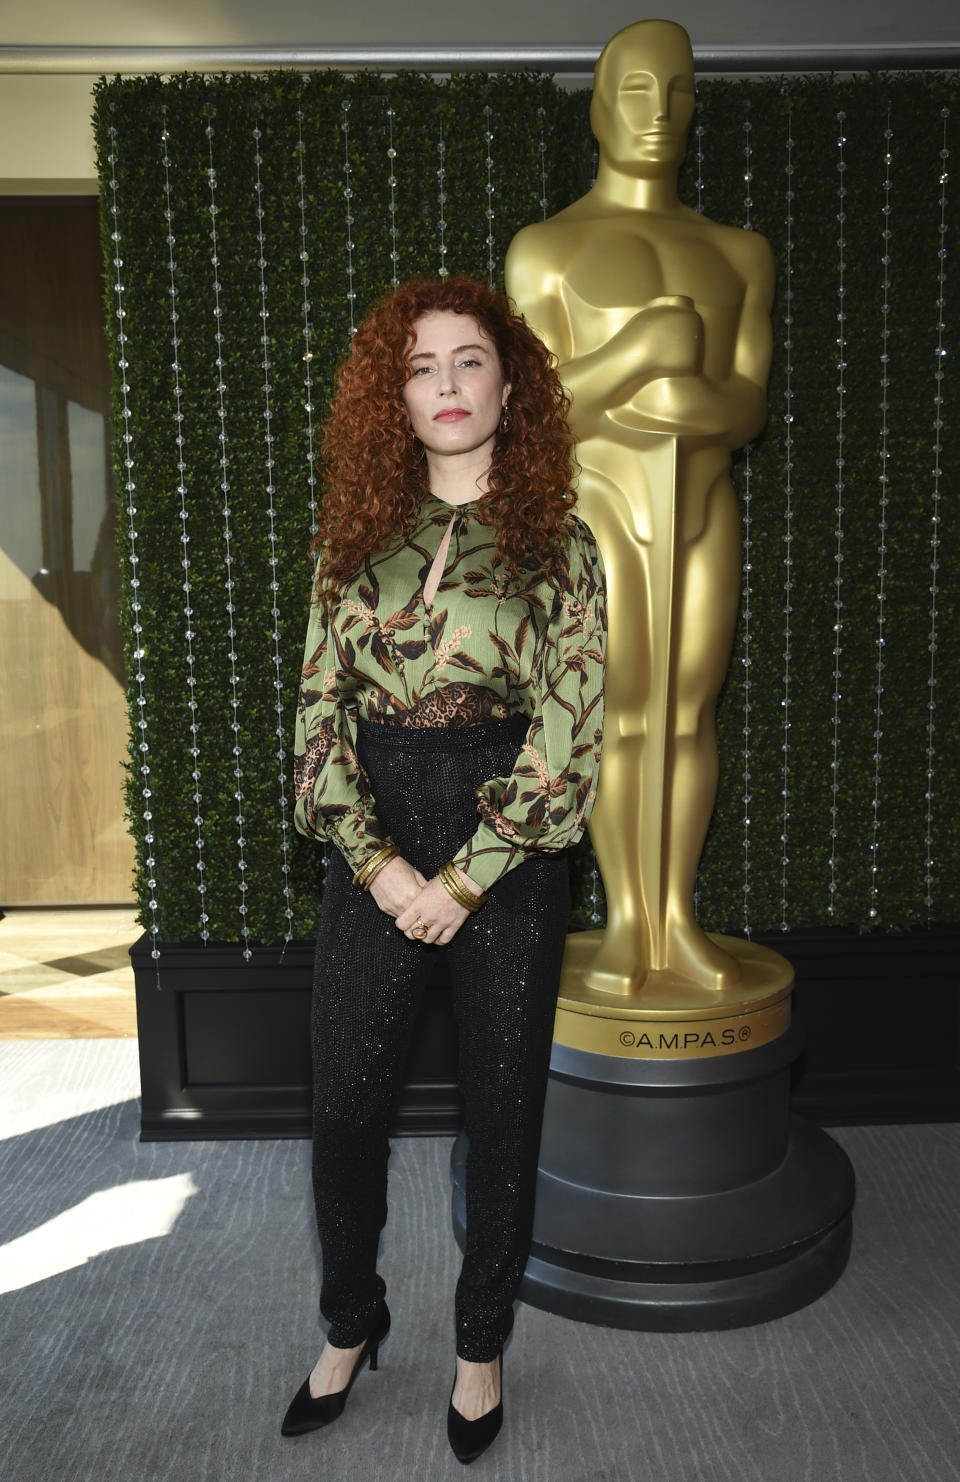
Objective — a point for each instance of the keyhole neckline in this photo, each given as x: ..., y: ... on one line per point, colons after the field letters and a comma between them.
x: 439, y: 564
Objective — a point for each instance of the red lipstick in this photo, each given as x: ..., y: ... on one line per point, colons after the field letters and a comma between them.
x: 451, y: 414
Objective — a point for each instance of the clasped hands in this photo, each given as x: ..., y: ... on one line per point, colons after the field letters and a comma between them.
x: 402, y: 892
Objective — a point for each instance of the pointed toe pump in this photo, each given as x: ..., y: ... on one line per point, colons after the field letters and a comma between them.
x: 470, y: 1438
x: 308, y: 1414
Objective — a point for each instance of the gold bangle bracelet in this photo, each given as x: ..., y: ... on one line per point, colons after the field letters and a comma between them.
x: 455, y: 887
x: 458, y: 895
x: 374, y: 872
x: 477, y: 898
x: 465, y: 898
x: 365, y: 876
x: 371, y: 867
x: 376, y: 863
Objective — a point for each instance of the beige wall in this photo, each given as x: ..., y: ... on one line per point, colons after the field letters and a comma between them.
x: 45, y: 137
x: 46, y: 141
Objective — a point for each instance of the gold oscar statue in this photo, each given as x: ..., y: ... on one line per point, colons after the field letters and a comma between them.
x: 660, y: 321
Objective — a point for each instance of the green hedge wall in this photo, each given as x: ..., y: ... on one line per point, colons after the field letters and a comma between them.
x: 287, y: 296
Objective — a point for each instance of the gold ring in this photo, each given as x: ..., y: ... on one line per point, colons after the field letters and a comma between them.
x: 420, y: 929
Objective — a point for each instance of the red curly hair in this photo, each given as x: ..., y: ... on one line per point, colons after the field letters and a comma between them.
x: 375, y: 469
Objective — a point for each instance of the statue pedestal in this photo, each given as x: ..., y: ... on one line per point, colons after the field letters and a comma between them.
x: 675, y: 1192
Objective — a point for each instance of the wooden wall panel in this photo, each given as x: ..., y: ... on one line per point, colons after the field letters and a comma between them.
x: 62, y: 740
x: 63, y: 726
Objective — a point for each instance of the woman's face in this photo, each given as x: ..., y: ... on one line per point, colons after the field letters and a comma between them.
x: 456, y: 391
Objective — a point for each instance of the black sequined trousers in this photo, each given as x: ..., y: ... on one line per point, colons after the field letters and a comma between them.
x: 504, y: 970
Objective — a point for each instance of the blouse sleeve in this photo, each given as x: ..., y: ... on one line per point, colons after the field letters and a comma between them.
x: 544, y: 804
x: 333, y: 796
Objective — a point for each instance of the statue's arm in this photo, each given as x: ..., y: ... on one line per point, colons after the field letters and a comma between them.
x: 534, y: 285
x: 751, y: 365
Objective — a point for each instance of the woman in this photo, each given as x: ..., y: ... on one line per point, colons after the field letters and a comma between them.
x: 448, y: 736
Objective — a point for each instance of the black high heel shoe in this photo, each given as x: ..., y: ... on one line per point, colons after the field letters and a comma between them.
x: 308, y: 1414
x: 470, y: 1438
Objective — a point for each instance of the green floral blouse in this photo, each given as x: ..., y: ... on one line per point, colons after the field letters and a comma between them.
x: 485, y: 647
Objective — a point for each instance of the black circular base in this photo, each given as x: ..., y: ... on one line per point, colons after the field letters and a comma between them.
x: 680, y: 1196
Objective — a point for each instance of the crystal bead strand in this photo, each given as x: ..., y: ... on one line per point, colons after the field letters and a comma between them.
x: 348, y: 221
x: 488, y: 162
x: 788, y: 528
x: 838, y: 533
x: 747, y: 585
x: 392, y: 182
x: 940, y: 355
x: 698, y: 131
x: 884, y: 480
x: 272, y: 560
x: 307, y: 328
x: 224, y: 462
x: 180, y: 444
x: 133, y: 559
x: 442, y: 271
x: 307, y: 357
x: 542, y: 151
x: 594, y: 895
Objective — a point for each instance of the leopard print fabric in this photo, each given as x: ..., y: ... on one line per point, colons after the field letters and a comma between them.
x: 456, y: 704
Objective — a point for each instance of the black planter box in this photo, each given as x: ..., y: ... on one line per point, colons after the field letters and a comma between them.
x: 225, y: 1044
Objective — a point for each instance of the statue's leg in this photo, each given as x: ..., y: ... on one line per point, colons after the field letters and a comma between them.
x: 708, y: 587
x: 616, y: 825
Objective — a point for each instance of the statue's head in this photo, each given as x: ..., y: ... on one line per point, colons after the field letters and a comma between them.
x: 643, y: 97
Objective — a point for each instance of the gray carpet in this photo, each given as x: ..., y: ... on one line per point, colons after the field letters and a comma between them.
x: 159, y: 1312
